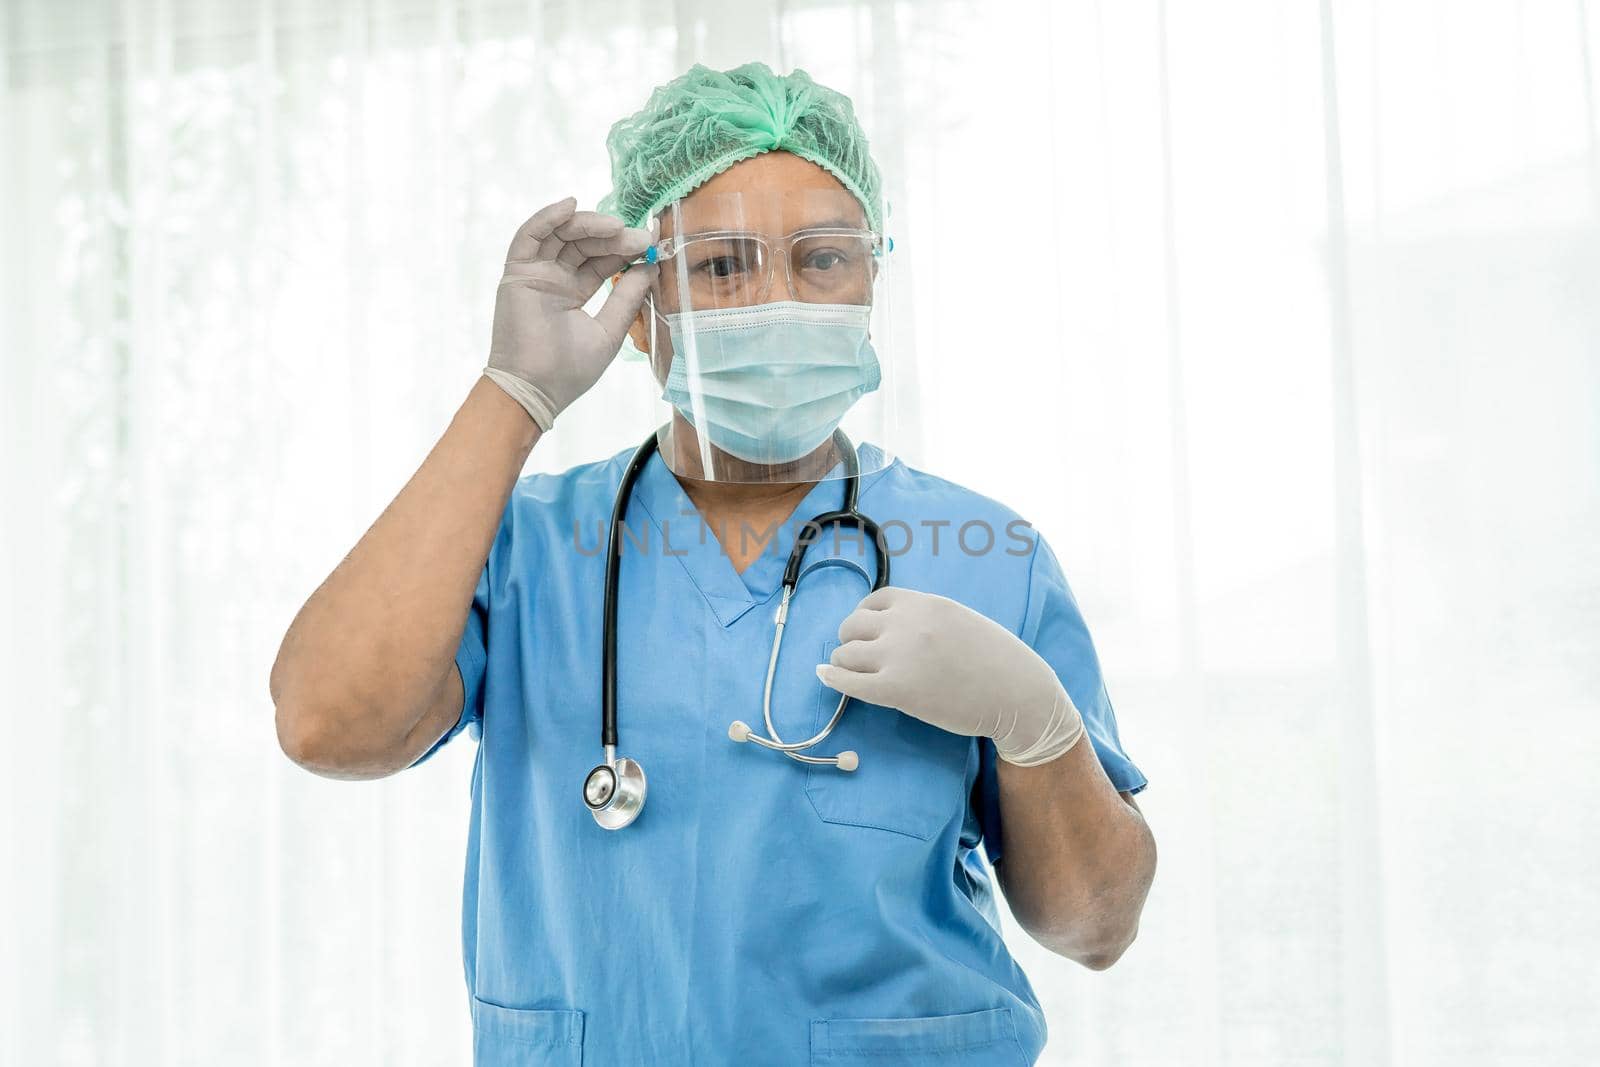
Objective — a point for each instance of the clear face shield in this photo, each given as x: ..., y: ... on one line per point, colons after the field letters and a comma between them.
x: 768, y: 331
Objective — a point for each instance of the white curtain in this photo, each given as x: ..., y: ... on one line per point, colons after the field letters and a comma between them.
x: 1281, y: 320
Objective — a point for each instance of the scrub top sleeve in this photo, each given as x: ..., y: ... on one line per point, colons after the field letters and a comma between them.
x: 987, y: 798
x: 1054, y: 627
x: 471, y: 660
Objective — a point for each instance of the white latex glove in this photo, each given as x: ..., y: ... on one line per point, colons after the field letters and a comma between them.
x: 546, y: 351
x: 939, y: 661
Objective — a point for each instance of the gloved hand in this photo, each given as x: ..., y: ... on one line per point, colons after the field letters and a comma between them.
x: 943, y: 663
x: 545, y: 350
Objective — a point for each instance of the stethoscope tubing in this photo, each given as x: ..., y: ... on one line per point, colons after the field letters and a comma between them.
x: 608, y: 648
x: 794, y: 749
x: 619, y: 784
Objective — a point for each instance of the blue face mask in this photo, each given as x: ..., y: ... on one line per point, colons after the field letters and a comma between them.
x: 771, y: 381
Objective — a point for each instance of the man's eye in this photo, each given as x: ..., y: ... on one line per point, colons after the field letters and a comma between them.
x: 829, y: 255
x: 721, y: 267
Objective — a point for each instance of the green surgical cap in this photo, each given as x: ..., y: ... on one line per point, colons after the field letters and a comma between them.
x: 704, y: 121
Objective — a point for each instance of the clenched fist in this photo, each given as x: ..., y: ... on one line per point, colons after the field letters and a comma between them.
x: 939, y: 661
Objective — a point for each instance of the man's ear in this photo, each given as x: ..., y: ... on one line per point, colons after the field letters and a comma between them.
x: 639, y: 328
x: 639, y: 333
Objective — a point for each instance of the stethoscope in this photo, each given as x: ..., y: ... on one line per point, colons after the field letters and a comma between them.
x: 614, y: 791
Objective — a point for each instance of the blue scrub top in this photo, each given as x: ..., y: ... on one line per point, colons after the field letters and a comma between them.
x: 759, y: 910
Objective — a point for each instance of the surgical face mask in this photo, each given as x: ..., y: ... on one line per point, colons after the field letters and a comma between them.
x: 768, y: 383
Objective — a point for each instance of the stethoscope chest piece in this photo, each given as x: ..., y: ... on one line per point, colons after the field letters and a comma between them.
x: 614, y: 793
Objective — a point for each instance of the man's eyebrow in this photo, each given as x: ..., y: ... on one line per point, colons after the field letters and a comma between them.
x: 826, y: 224
x: 832, y: 224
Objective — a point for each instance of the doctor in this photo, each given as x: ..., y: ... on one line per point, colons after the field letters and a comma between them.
x: 756, y: 908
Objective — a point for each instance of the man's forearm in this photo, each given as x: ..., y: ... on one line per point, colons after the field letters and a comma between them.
x: 1078, y: 858
x: 370, y: 648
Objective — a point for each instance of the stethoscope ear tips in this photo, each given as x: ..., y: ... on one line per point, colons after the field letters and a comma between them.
x: 739, y: 730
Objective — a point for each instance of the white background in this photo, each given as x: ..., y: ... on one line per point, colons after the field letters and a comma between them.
x: 1281, y: 321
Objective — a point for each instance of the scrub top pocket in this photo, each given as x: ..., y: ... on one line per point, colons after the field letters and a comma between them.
x: 912, y: 776
x: 986, y: 1038
x: 525, y: 1037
